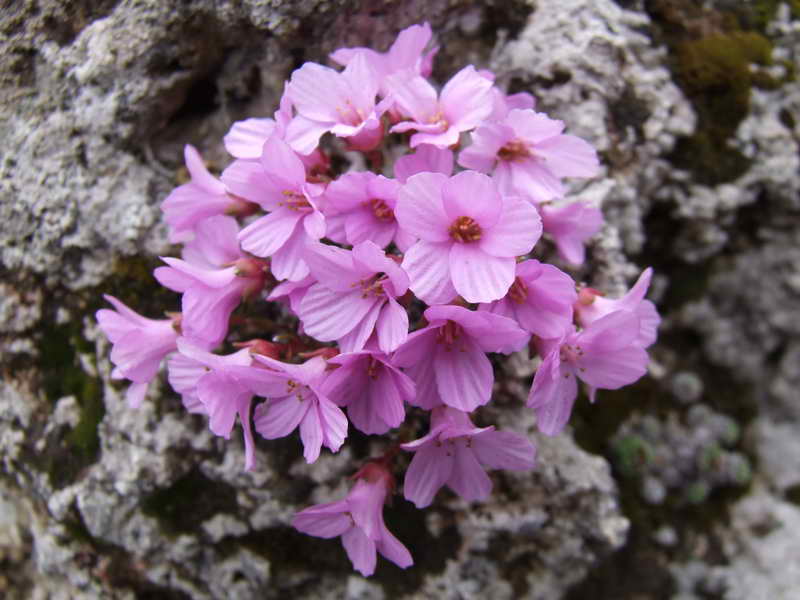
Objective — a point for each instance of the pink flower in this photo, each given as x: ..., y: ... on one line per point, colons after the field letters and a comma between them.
x: 426, y: 159
x: 469, y: 234
x: 503, y: 104
x: 359, y: 206
x: 455, y: 453
x: 355, y: 294
x: 341, y: 103
x: 406, y: 53
x: 372, y: 389
x: 139, y: 345
x: 540, y: 299
x: 278, y: 184
x: 447, y: 359
x: 359, y: 520
x: 203, y: 197
x: 295, y: 400
x: 213, y: 277
x: 570, y: 226
x: 529, y: 155
x: 246, y: 138
x: 206, y: 379
x: 604, y: 355
x: 465, y: 101
x: 591, y: 306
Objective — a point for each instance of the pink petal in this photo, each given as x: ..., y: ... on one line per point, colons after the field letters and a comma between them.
x: 289, y: 261
x: 333, y: 423
x: 360, y: 550
x: 333, y: 267
x: 266, y: 235
x: 328, y: 315
x: 552, y: 395
x: 491, y: 332
x: 426, y: 159
x: 392, y: 549
x: 303, y: 134
x: 466, y: 99
x: 246, y: 138
x: 136, y: 393
x: 324, y: 520
x: 429, y: 470
x: 532, y: 126
x: 613, y: 369
x: 311, y: 433
x: 392, y: 326
x: 278, y: 418
x: 213, y: 390
x: 420, y: 209
x: 356, y: 339
x: 468, y: 479
x: 428, y: 267
x: 474, y: 195
x: 246, y: 178
x: 477, y: 276
x: 464, y: 376
x: 516, y: 232
x: 281, y: 163
x: 532, y: 179
x: 487, y: 140
x: 414, y: 96
x: 317, y: 91
x: 206, y: 312
x: 504, y: 450
x: 569, y: 156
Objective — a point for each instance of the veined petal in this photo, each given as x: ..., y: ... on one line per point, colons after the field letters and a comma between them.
x: 289, y: 261
x: 504, y: 450
x: 360, y: 550
x: 392, y: 326
x: 477, y: 276
x: 464, y: 376
x: 246, y: 138
x: 278, y: 418
x: 311, y: 433
x: 518, y: 229
x: 474, y: 195
x: 468, y: 479
x: 329, y: 315
x: 324, y: 520
x: 428, y: 268
x: 569, y: 156
x: 334, y: 424
x: 266, y: 235
x: 431, y: 467
x: 420, y: 208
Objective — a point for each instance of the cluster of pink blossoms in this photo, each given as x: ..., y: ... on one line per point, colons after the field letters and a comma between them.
x: 350, y: 253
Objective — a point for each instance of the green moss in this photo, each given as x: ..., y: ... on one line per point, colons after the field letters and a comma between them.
x: 67, y: 455
x: 715, y: 72
x: 189, y: 501
x: 632, y: 453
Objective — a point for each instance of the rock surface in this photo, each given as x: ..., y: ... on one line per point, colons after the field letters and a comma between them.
x: 97, y: 500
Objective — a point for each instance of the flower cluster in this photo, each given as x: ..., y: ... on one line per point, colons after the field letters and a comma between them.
x: 402, y: 278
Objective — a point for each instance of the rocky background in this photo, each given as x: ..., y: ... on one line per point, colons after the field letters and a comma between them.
x: 685, y: 486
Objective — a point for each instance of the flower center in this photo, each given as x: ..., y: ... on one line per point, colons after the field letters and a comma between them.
x: 350, y: 115
x: 448, y: 333
x: 380, y: 210
x: 518, y: 291
x: 440, y: 120
x: 373, y: 286
x: 465, y: 230
x: 295, y: 200
x: 570, y: 354
x: 514, y: 150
